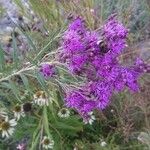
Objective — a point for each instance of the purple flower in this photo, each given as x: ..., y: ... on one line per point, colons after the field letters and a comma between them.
x: 91, y: 39
x: 80, y: 102
x: 47, y: 70
x: 94, y: 56
x: 114, y: 33
x: 141, y: 67
x: 73, y: 42
x: 91, y: 96
x: 87, y: 107
x: 77, y: 25
x: 130, y: 77
x: 21, y: 146
x: 103, y: 92
x: 74, y: 99
x: 77, y: 63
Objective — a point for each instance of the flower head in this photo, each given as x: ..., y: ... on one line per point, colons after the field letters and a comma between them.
x: 47, y: 143
x: 73, y: 42
x: 81, y: 101
x: 141, y: 66
x: 77, y: 63
x: 7, y: 127
x: 41, y: 98
x: 77, y: 25
x: 64, y: 113
x: 21, y: 146
x: 74, y: 99
x: 18, y: 112
x: 89, y: 119
x: 115, y: 34
x: 47, y: 70
x: 103, y: 143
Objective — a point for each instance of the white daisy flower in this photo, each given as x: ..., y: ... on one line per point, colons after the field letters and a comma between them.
x: 41, y: 98
x: 91, y: 119
x: 18, y: 112
x: 103, y: 143
x: 47, y: 143
x: 64, y: 113
x: 7, y: 127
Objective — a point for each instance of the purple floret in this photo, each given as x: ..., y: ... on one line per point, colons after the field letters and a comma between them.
x: 115, y: 35
x: 47, y: 70
x: 77, y: 25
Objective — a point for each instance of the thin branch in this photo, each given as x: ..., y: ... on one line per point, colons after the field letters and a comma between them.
x: 17, y: 73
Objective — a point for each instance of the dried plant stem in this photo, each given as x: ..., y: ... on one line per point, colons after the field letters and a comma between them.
x: 17, y: 73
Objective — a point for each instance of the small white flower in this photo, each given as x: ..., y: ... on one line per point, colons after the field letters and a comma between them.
x: 40, y: 98
x: 18, y: 112
x: 64, y: 113
x: 7, y: 127
x: 91, y: 119
x: 112, y: 111
x: 103, y: 143
x: 47, y: 143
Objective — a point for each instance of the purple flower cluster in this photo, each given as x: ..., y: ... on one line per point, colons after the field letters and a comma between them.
x: 94, y: 55
x: 115, y: 35
x: 47, y: 70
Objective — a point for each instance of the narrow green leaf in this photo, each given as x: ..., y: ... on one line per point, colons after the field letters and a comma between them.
x: 25, y: 82
x: 45, y: 122
x: 15, y: 51
x: 35, y: 142
x: 13, y: 87
x: 41, y: 80
x: 1, y: 59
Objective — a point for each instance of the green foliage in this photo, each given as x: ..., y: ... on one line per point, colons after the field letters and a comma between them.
x: 20, y: 80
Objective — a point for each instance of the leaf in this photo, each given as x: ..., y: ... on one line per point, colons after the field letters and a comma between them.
x: 45, y: 122
x: 35, y: 142
x: 31, y: 44
x: 13, y: 87
x: 2, y: 60
x: 53, y: 37
x: 25, y: 82
x: 71, y: 123
x: 41, y: 80
x: 15, y: 52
